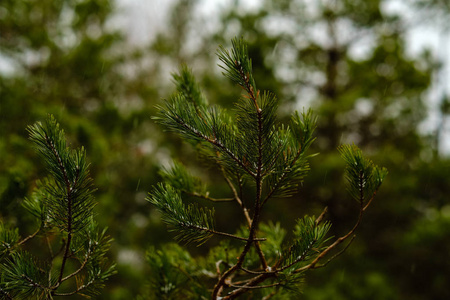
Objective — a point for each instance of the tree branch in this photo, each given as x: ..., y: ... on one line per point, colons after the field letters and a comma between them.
x: 207, y: 197
x: 80, y: 288
x: 283, y: 175
x: 255, y: 287
x: 257, y: 207
x: 337, y: 254
x: 236, y: 197
x: 216, y: 143
x: 83, y: 264
x: 29, y: 237
x: 312, y: 265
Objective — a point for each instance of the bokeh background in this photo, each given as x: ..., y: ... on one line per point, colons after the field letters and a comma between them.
x: 375, y: 72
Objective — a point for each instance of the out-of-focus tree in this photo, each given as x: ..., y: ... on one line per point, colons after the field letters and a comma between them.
x: 62, y: 204
x: 63, y: 58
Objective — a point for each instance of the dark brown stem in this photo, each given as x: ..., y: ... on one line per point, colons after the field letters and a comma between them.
x: 236, y: 293
x: 257, y: 207
x: 248, y: 287
x: 83, y: 264
x: 33, y: 283
x: 270, y: 295
x: 321, y: 216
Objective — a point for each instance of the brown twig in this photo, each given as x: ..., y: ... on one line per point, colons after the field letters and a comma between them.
x: 321, y: 216
x: 29, y: 237
x: 337, y: 254
x: 194, y: 194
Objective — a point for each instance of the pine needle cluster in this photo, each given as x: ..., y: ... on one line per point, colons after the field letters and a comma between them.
x: 63, y: 206
x: 250, y: 149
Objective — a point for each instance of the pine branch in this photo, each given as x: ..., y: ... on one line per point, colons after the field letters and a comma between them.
x: 23, y: 274
x: 9, y: 238
x: 182, y: 117
x: 5, y: 294
x: 310, y: 236
x: 64, y: 202
x: 251, y: 148
x: 363, y: 177
x: 206, y: 197
x: 190, y: 222
x: 239, y: 70
x: 238, y: 66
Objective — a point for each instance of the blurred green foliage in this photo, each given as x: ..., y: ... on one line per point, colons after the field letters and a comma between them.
x: 346, y: 59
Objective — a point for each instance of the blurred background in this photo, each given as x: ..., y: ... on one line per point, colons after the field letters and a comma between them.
x: 377, y: 74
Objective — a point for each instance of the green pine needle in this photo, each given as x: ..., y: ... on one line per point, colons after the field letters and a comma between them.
x: 9, y: 237
x: 191, y: 223
x: 71, y: 192
x: 238, y: 66
x: 250, y: 148
x: 309, y: 239
x: 363, y: 176
x: 24, y: 275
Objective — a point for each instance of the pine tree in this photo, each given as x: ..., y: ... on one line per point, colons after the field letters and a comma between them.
x: 63, y: 205
x: 251, y: 151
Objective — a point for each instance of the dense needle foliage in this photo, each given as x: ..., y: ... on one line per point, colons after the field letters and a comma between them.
x: 62, y: 204
x: 253, y: 152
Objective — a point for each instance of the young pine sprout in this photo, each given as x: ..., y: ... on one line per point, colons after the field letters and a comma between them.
x: 250, y: 151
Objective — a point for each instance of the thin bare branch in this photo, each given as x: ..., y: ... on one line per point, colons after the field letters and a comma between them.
x: 29, y: 237
x: 322, y: 215
x: 33, y: 283
x: 83, y: 264
x: 255, y: 287
x: 207, y: 197
x: 236, y: 196
x: 313, y: 264
x: 337, y: 254
x: 79, y: 289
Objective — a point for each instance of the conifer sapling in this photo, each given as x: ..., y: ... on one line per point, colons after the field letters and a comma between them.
x: 62, y: 204
x: 251, y: 151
